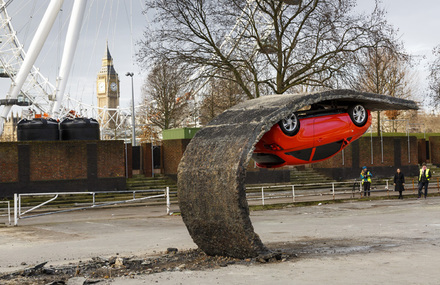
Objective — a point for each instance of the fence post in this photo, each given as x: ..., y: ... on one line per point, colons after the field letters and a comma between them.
x: 438, y: 185
x: 333, y: 190
x: 388, y: 190
x: 168, y: 199
x: 94, y: 201
x: 15, y: 209
x: 293, y: 193
x: 19, y: 205
x: 262, y: 195
x: 9, y: 212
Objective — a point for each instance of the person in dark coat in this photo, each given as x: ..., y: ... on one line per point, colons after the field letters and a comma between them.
x: 399, y: 182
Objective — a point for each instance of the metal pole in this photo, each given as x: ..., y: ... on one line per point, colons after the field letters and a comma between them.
x: 371, y: 143
x: 126, y: 161
x: 388, y: 190
x: 9, y: 212
x: 333, y: 190
x: 381, y: 143
x: 168, y: 200
x: 262, y: 195
x: 19, y: 205
x: 133, y: 122
x: 15, y: 210
x: 409, y: 151
x: 293, y: 193
x: 152, y: 159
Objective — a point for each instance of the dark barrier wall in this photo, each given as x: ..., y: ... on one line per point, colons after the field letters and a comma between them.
x: 434, y: 147
x: 147, y: 160
x: 368, y: 152
x: 60, y: 166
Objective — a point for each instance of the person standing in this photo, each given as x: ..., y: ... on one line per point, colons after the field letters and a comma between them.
x: 399, y: 182
x: 424, y: 176
x: 366, y: 180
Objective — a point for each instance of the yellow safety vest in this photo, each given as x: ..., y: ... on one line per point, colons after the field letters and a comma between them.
x: 426, y: 174
x: 368, y: 179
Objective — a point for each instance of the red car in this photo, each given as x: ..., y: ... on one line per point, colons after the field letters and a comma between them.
x: 311, y: 135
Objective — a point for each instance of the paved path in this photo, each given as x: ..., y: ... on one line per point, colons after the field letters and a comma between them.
x: 387, y: 242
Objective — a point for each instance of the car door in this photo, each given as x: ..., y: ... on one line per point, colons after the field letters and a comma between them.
x: 330, y: 134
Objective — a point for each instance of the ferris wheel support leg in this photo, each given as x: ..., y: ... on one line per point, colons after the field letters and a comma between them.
x: 33, y: 52
x: 69, y: 52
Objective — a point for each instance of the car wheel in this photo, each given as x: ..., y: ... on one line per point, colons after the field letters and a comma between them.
x: 290, y: 125
x: 358, y: 115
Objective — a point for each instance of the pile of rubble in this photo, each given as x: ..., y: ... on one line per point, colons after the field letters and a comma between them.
x: 99, y: 269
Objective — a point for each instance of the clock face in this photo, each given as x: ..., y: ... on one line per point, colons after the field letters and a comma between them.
x: 101, y: 86
x: 113, y: 86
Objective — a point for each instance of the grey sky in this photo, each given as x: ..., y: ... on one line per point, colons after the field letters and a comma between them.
x: 417, y: 23
x: 109, y: 20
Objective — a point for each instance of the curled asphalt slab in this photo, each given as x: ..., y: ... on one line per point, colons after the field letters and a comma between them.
x: 391, y: 242
x: 211, y: 174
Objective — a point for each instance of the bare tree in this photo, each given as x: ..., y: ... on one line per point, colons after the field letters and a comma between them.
x: 384, y: 70
x: 267, y: 45
x: 434, y: 77
x: 164, y: 95
x: 220, y: 94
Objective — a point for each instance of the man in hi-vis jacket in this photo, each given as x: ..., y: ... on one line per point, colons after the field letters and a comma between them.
x: 366, y: 180
x: 424, y: 176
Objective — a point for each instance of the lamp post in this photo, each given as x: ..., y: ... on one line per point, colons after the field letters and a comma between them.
x: 133, y: 123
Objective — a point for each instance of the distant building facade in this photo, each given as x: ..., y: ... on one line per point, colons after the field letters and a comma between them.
x: 10, y: 128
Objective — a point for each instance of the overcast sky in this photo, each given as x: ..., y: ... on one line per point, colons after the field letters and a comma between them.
x: 110, y: 20
x: 417, y: 23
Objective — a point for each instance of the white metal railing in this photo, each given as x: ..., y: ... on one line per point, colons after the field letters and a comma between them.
x: 18, y: 214
x: 294, y: 191
x: 9, y: 210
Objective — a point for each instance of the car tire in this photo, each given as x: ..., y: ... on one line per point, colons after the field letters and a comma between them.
x: 290, y: 125
x: 358, y: 115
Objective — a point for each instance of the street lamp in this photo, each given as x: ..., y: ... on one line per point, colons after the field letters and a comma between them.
x: 133, y: 123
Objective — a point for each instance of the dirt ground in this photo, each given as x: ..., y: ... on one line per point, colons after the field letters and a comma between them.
x: 372, y: 242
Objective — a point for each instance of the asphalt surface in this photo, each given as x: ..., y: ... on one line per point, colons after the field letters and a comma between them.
x: 370, y: 242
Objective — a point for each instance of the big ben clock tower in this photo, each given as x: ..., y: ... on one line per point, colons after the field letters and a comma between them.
x: 107, y: 87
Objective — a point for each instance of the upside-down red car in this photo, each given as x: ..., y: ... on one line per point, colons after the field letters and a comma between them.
x: 311, y: 136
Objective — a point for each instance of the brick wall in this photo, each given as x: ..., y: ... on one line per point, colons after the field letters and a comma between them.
x: 55, y: 161
x: 29, y: 167
x: 172, y: 154
x: 8, y: 163
x: 111, y: 159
